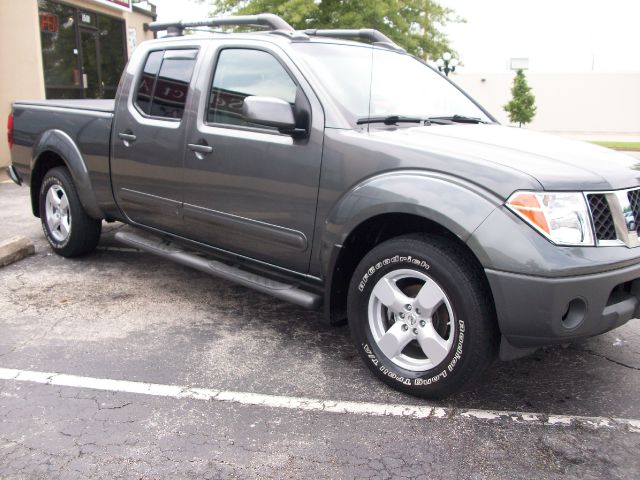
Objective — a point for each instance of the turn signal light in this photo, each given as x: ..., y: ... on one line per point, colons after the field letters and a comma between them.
x: 528, y: 206
x: 562, y: 217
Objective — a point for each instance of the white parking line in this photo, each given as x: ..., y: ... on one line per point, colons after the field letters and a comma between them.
x: 313, y: 404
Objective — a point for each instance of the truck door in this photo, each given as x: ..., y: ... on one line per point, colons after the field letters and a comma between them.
x: 148, y: 139
x: 249, y: 189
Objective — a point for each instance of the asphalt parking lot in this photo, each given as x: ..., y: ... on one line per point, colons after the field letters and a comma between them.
x: 281, y: 395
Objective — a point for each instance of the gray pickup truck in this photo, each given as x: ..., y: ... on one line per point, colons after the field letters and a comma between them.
x: 346, y: 176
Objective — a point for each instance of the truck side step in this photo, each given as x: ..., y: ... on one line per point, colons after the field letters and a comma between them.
x: 171, y: 251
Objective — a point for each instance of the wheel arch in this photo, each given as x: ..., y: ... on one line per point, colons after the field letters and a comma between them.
x: 375, y: 211
x: 53, y: 149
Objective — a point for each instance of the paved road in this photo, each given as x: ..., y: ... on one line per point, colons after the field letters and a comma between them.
x: 124, y: 315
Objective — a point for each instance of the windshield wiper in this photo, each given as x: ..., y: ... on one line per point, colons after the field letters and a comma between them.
x: 390, y: 120
x: 454, y: 119
x: 395, y: 119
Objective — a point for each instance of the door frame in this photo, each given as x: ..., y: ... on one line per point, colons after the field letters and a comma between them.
x: 198, y: 123
x: 96, y: 35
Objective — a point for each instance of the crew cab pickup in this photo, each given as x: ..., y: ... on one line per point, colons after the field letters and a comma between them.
x: 346, y: 176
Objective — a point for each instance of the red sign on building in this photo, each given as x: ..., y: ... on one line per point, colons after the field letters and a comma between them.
x: 48, y: 22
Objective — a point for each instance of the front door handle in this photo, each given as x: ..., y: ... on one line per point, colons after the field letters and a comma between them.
x: 200, y: 150
x: 127, y: 138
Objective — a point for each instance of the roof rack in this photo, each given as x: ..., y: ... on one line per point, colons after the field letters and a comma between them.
x: 374, y: 36
x: 277, y: 25
x: 268, y: 20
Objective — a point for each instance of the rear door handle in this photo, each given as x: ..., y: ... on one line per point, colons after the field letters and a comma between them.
x: 127, y: 138
x: 200, y: 150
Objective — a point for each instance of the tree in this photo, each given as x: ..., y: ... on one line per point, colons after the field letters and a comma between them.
x: 521, y: 108
x: 413, y: 24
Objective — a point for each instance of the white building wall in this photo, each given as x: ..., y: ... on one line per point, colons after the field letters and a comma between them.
x: 568, y: 103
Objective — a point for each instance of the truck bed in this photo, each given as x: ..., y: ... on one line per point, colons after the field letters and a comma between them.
x: 78, y: 131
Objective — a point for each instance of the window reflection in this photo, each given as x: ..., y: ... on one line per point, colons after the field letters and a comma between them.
x: 77, y: 42
x: 164, y: 83
x: 241, y: 73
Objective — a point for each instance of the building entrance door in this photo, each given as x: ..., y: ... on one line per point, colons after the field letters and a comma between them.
x: 91, y: 72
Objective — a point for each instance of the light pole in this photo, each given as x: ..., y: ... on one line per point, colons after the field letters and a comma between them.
x: 447, y: 63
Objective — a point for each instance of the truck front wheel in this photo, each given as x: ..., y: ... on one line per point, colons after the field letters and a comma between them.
x: 421, y: 316
x: 68, y: 228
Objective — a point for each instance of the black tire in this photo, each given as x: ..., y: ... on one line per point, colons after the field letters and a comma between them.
x: 75, y: 233
x: 464, y: 320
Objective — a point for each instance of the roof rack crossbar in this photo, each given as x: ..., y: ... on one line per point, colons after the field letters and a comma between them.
x: 374, y: 36
x: 269, y: 20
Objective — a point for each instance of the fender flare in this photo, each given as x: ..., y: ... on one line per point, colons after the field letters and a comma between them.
x: 62, y: 144
x: 453, y: 203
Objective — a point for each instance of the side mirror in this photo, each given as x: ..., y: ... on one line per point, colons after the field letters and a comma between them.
x: 270, y: 112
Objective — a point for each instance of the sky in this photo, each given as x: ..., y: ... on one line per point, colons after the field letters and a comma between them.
x: 555, y: 35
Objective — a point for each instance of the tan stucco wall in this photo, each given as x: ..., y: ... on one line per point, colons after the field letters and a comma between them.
x: 21, y: 75
x: 137, y: 21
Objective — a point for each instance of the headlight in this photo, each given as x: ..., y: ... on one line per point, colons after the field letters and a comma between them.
x: 562, y: 217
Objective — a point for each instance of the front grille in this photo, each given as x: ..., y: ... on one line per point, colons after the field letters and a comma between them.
x: 634, y: 200
x: 602, y: 217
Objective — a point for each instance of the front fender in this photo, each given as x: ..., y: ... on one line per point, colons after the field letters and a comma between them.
x: 453, y: 203
x: 62, y: 144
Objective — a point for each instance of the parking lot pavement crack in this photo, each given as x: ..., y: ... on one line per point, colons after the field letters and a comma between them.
x: 35, y: 338
x: 102, y: 406
x: 600, y: 355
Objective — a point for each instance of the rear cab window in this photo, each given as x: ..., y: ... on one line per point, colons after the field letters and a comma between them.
x: 164, y: 84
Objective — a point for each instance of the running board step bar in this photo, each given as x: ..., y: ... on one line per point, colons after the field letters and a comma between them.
x: 171, y: 251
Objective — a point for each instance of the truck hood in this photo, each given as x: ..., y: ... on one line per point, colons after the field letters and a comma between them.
x: 556, y: 163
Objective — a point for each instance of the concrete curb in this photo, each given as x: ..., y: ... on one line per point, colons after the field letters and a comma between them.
x: 15, y: 249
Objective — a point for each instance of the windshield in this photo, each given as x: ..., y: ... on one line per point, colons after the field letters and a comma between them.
x: 368, y: 82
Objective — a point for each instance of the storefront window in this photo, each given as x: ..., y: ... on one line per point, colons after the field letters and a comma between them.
x: 83, y: 52
x: 61, y: 64
x: 112, y: 53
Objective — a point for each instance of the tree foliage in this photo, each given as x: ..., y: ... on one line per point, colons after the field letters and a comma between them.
x: 522, y: 106
x: 413, y: 24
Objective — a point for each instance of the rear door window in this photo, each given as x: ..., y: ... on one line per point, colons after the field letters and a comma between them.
x: 164, y: 83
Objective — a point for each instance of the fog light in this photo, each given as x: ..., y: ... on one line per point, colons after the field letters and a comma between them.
x: 575, y: 313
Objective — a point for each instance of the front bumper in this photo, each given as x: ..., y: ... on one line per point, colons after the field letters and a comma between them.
x: 534, y: 311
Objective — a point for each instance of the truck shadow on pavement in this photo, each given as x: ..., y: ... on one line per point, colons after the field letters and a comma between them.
x: 128, y: 315
x: 288, y: 350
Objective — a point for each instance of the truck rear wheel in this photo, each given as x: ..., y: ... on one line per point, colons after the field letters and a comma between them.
x: 421, y: 316
x: 67, y: 227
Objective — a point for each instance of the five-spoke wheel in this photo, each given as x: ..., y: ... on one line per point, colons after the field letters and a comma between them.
x: 57, y: 214
x: 410, y: 318
x: 68, y: 228
x: 421, y: 316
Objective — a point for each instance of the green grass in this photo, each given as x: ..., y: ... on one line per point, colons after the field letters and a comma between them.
x: 629, y: 146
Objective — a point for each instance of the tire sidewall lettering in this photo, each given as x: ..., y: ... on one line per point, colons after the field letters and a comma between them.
x: 414, y: 262
x: 382, y: 364
x: 428, y: 379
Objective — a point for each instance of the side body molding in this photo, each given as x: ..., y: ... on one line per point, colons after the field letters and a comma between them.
x: 63, y: 145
